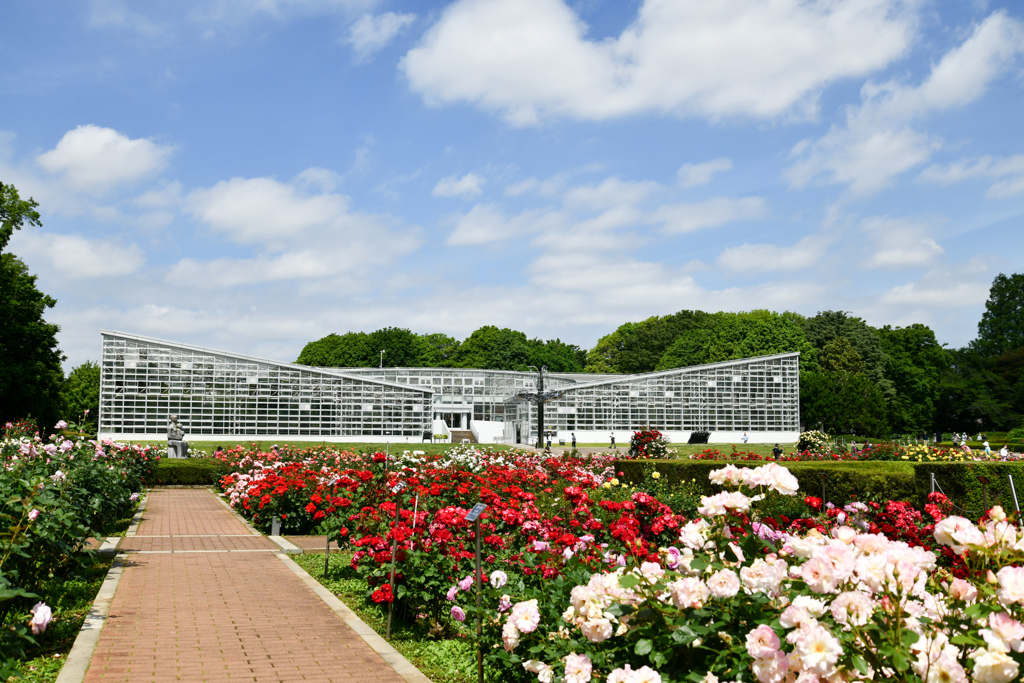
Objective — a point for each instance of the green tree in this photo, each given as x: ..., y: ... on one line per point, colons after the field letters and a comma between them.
x: 401, y: 348
x: 81, y: 393
x: 493, y: 348
x: 729, y: 336
x: 973, y: 396
x: 30, y: 371
x: 436, y: 350
x: 1001, y: 328
x: 915, y: 367
x: 637, y: 347
x: 557, y: 356
x: 349, y: 350
x: 827, y: 326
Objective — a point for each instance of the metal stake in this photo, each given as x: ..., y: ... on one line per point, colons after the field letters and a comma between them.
x: 479, y: 622
x: 394, y: 556
x: 1014, y: 490
x: 327, y: 555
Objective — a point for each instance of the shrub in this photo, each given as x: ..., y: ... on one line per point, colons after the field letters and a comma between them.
x: 186, y: 472
x: 814, y: 442
x: 648, y: 444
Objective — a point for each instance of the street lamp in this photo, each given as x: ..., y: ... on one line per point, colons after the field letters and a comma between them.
x: 382, y: 359
x: 540, y: 398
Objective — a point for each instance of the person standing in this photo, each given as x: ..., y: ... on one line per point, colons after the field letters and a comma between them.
x: 777, y: 451
x: 1003, y: 452
x: 744, y: 438
x: 574, y: 440
x: 612, y: 440
x: 988, y: 449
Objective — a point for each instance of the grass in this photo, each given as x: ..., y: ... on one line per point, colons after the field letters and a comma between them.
x: 442, y: 661
x: 70, y: 599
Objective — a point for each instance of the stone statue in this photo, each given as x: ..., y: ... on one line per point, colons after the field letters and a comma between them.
x: 177, y: 446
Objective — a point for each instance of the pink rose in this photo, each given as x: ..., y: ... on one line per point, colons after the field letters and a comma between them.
x: 41, y: 616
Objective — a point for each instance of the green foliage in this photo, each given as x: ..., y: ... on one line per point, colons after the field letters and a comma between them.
x: 186, y: 472
x: 1001, y: 328
x: 842, y: 404
x: 400, y: 346
x: 350, y: 350
x: 729, y: 336
x: 637, y: 347
x: 30, y: 371
x: 81, y: 393
x: 973, y: 395
x: 493, y: 348
x: 436, y: 350
x: 915, y: 366
x: 814, y: 442
x: 827, y: 326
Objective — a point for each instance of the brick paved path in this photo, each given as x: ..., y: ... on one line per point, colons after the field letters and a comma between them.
x: 203, y: 599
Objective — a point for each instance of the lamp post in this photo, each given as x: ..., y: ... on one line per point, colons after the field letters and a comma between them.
x: 382, y: 359
x: 540, y: 398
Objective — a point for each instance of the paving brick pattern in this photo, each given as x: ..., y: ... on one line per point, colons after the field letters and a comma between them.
x: 215, y: 609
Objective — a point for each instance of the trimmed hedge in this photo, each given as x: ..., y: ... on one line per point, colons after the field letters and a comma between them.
x: 186, y: 472
x: 842, y: 482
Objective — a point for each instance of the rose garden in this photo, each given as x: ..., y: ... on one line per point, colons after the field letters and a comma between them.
x: 709, y: 567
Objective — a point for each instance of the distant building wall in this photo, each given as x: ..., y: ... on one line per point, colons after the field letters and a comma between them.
x: 220, y: 395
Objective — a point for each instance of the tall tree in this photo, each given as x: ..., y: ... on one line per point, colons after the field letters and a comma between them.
x: 729, y: 336
x: 493, y: 348
x: 915, y: 367
x: 637, y: 347
x: 81, y: 393
x: 400, y: 346
x: 436, y: 350
x: 1001, y: 328
x: 349, y: 350
x: 30, y: 371
x: 827, y: 326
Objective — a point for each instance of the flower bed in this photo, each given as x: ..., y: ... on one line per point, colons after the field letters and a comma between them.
x: 54, y: 495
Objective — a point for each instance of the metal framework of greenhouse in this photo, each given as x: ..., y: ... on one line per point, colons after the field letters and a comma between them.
x: 219, y: 395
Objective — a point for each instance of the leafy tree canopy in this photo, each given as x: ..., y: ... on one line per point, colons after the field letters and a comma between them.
x: 729, y: 336
x: 30, y: 371
x: 638, y: 347
x: 81, y: 392
x: 1001, y: 328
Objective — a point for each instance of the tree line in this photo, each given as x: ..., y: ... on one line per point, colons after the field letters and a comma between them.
x: 854, y: 378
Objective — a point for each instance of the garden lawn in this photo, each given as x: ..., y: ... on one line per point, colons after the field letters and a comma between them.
x: 264, y: 445
x: 441, y: 660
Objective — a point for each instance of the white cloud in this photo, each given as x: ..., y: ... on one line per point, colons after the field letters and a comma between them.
x: 486, y: 224
x: 370, y: 33
x: 692, y: 175
x: 75, y: 257
x: 1009, y: 172
x: 899, y: 243
x: 944, y: 295
x: 264, y: 210
x: 802, y: 256
x: 608, y: 193
x: 468, y: 186
x: 687, y: 217
x: 531, y: 59
x: 877, y: 142
x: 95, y: 159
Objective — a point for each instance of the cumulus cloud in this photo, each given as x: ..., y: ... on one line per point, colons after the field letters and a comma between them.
x: 299, y: 235
x: 1008, y: 172
x: 76, y: 257
x: 609, y: 192
x: 532, y: 59
x: 371, y: 33
x: 468, y: 186
x: 761, y: 257
x: 94, y: 159
x: 487, y: 223
x: 687, y: 217
x: 943, y: 295
x: 899, y: 243
x: 692, y: 175
x: 878, y: 142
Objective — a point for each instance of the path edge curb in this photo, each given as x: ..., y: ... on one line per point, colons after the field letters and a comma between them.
x: 402, y: 666
x: 80, y: 657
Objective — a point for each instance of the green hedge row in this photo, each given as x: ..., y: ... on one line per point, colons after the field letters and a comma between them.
x: 186, y: 472
x: 841, y: 482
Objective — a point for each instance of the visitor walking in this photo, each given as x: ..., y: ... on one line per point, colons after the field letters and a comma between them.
x: 612, y: 440
x: 777, y: 451
x: 744, y: 438
x: 574, y: 440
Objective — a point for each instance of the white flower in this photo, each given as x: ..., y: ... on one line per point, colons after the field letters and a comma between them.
x: 498, y: 578
x: 853, y: 608
x: 763, y: 642
x: 577, y: 668
x: 1011, y: 585
x: 817, y: 649
x: 994, y: 667
x: 525, y: 616
x: 543, y: 671
x: 41, y: 614
x: 724, y: 583
x: 688, y: 593
x: 596, y: 630
x: 510, y: 636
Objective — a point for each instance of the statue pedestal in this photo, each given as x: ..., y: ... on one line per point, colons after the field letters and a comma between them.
x: 177, y: 449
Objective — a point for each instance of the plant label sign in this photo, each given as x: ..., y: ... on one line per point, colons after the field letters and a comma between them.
x: 475, y: 513
x: 398, y: 487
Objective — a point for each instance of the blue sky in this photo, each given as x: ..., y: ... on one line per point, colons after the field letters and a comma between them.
x: 255, y: 174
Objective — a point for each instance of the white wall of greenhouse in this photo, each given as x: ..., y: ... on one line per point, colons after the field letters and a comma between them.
x: 223, y: 396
